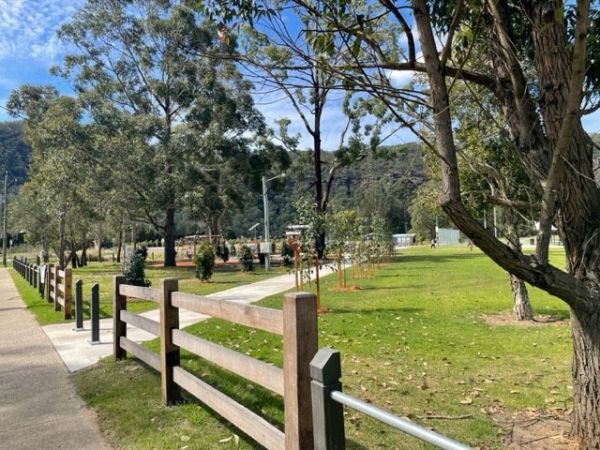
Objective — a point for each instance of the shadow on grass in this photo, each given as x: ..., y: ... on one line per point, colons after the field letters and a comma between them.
x: 436, y: 258
x: 351, y: 444
x: 390, y: 288
x: 374, y: 311
x: 555, y: 313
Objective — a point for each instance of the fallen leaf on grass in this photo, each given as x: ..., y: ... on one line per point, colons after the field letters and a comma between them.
x: 466, y: 401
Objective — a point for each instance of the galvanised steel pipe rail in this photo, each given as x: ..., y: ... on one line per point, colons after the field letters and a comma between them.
x: 328, y: 412
x: 403, y: 425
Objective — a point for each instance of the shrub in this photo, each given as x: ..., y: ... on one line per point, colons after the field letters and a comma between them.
x: 223, y: 252
x: 287, y: 253
x: 204, y: 262
x: 134, y: 268
x: 246, y: 258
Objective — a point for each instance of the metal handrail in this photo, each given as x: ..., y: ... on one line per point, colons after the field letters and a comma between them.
x: 328, y: 402
x: 403, y: 425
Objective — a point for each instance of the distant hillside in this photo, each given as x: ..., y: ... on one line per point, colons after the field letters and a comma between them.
x: 374, y: 185
x: 14, y: 152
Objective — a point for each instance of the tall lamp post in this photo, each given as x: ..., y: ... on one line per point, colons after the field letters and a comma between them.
x: 267, y: 237
x: 4, y: 220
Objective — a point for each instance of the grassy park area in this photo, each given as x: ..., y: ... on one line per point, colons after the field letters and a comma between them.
x: 414, y: 340
x: 225, y: 277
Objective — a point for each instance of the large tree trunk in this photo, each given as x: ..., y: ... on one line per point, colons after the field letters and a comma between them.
x: 120, y: 245
x: 84, y: 257
x: 560, y: 161
x: 522, y: 307
x: 585, y: 329
x: 99, y: 248
x: 169, y: 236
x: 61, y: 239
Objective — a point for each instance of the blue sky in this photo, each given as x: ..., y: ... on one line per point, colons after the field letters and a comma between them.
x: 29, y: 47
x: 28, y: 43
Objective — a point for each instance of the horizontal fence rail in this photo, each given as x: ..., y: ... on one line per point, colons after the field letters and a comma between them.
x: 328, y: 413
x: 297, y: 323
x: 266, y: 319
x: 140, y: 292
x: 267, y: 375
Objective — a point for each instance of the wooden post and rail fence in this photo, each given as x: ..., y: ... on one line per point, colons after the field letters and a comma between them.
x: 297, y: 323
x: 53, y: 283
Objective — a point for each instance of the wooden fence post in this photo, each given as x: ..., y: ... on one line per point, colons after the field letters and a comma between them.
x: 169, y: 352
x: 119, y: 327
x: 56, y: 278
x: 36, y: 270
x: 328, y: 415
x: 299, y: 347
x: 68, y: 294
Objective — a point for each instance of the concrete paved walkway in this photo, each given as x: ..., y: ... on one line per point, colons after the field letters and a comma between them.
x: 77, y: 352
x: 39, y: 408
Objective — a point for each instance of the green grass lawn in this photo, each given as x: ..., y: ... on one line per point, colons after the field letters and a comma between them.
x: 413, y: 341
x: 225, y: 277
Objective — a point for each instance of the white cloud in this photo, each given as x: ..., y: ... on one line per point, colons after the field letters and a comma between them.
x: 400, y: 78
x: 28, y: 27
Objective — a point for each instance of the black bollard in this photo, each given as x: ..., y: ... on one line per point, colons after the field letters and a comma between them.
x: 79, y: 305
x: 95, y: 314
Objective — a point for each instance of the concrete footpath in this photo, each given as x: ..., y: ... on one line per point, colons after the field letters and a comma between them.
x: 77, y: 352
x: 39, y: 408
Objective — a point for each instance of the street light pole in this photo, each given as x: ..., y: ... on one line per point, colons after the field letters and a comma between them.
x: 4, y: 226
x: 267, y: 236
x: 266, y: 222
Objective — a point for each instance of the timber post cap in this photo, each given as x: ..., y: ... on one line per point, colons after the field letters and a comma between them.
x: 300, y: 296
x: 326, y: 366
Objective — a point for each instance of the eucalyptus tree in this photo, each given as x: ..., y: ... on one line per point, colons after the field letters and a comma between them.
x: 144, y: 68
x: 58, y: 162
x: 278, y: 54
x: 226, y: 187
x: 543, y: 71
x: 492, y: 177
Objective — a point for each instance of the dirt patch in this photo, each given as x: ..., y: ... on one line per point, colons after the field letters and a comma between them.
x: 533, y: 429
x: 508, y: 318
x: 351, y: 288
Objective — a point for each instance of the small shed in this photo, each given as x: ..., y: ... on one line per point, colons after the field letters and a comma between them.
x: 403, y: 240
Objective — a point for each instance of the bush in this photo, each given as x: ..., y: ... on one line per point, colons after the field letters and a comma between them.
x: 204, y: 262
x: 223, y: 252
x: 287, y: 254
x: 246, y: 258
x: 134, y: 268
